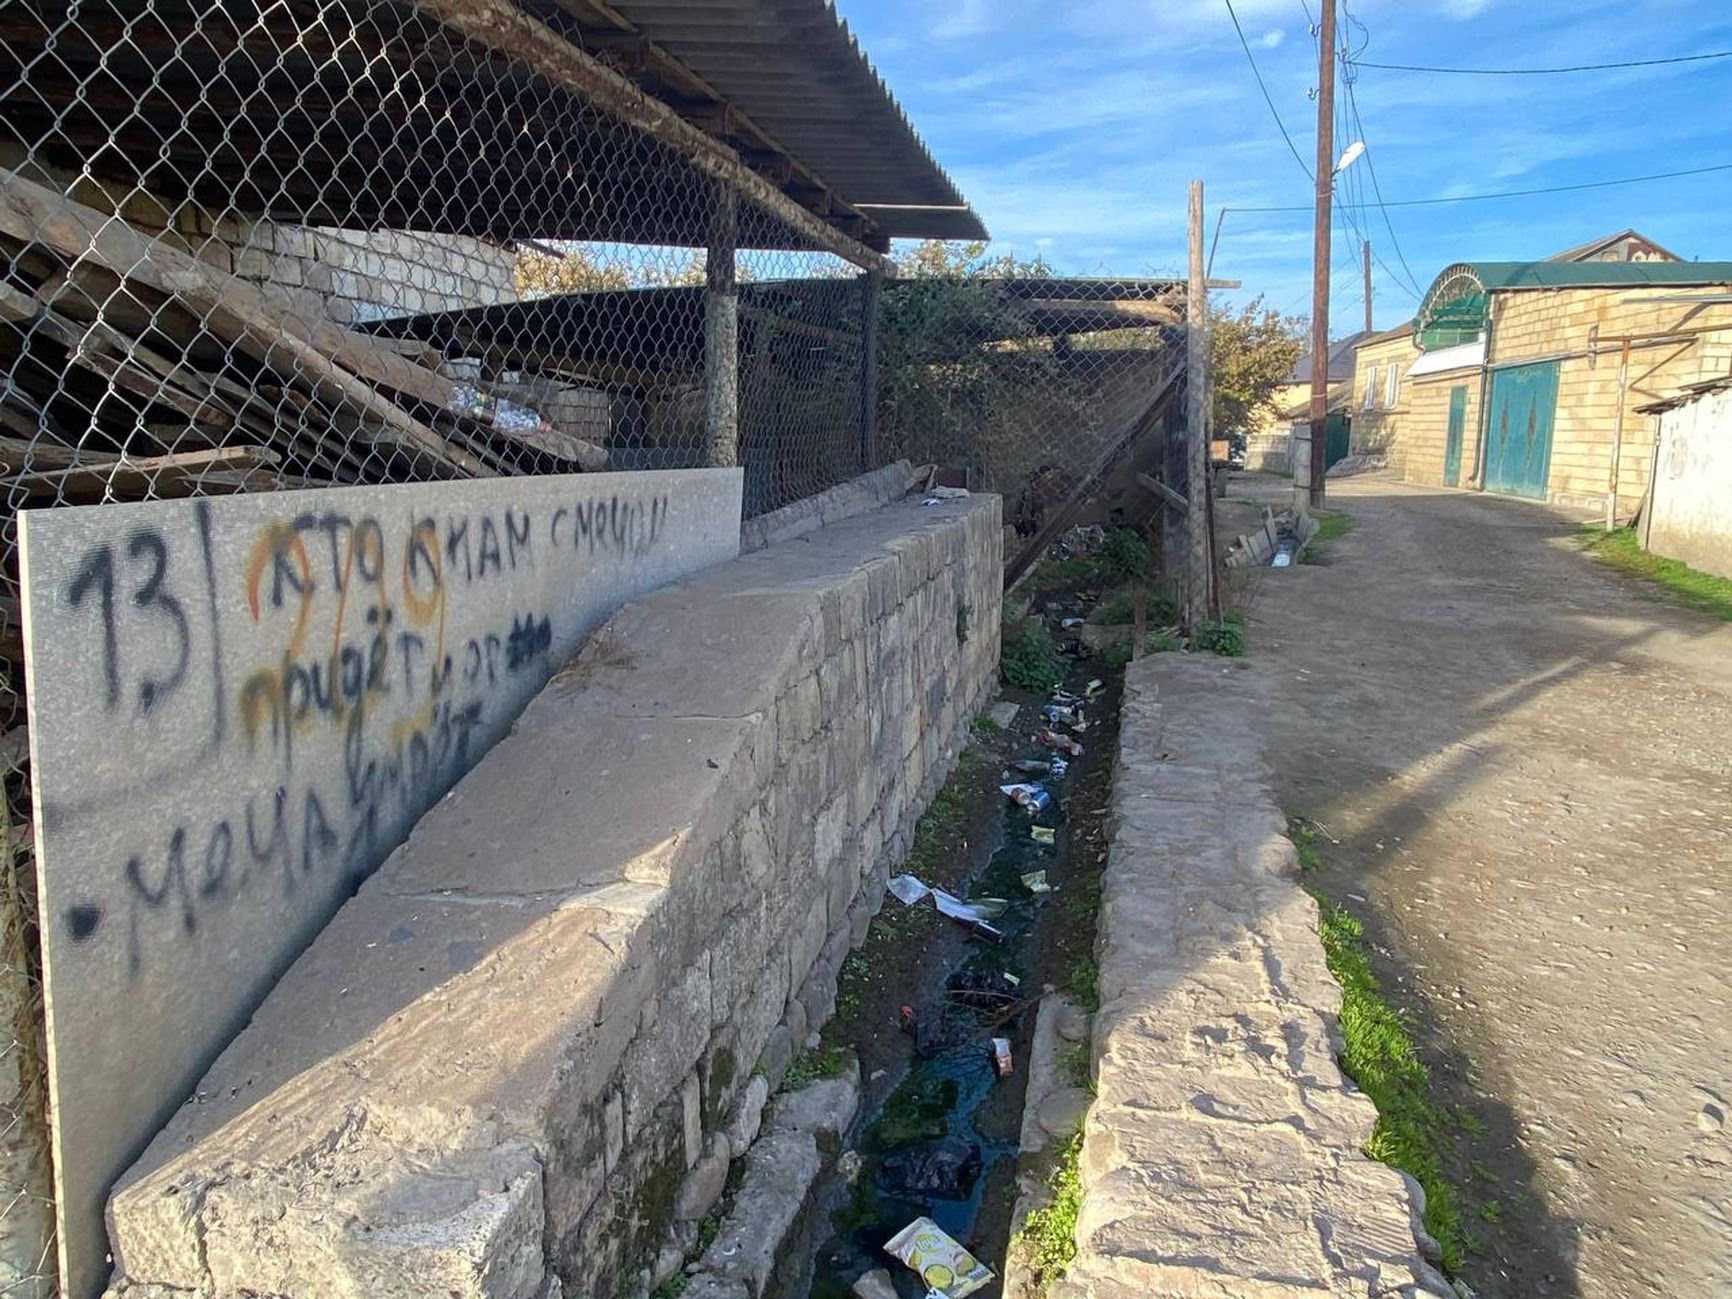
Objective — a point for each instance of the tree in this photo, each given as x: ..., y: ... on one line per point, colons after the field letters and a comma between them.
x: 539, y: 273
x: 1251, y: 354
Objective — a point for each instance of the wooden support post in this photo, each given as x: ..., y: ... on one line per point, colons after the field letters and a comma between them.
x: 722, y: 333
x: 1316, y: 449
x: 1200, y: 551
x: 870, y: 283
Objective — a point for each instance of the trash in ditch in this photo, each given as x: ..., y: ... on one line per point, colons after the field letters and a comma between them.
x: 906, y: 889
x: 945, y: 1169
x: 1043, y: 834
x: 1075, y: 649
x: 1053, y: 740
x: 930, y: 1033
x: 1070, y: 624
x: 945, y: 1268
x: 1093, y: 688
x: 1065, y: 713
x: 1035, y: 882
x: 1033, y: 797
x: 988, y: 908
x: 1059, y: 766
x: 909, y: 890
x: 983, y: 989
x: 1033, y: 766
x: 1001, y: 1056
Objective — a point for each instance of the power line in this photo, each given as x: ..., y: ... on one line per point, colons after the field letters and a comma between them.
x: 1546, y: 72
x: 1519, y: 193
x: 1251, y: 59
x: 1377, y: 189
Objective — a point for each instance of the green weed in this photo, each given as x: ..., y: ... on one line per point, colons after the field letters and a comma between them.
x: 1304, y: 836
x: 825, y: 1061
x: 984, y: 727
x: 1121, y: 607
x: 1224, y: 636
x: 1028, y: 658
x: 1049, y: 1234
x: 1684, y: 585
x: 1381, y: 1059
x: 1075, y: 1065
x: 1332, y: 525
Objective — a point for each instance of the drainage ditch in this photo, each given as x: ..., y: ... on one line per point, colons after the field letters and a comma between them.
x: 921, y: 1002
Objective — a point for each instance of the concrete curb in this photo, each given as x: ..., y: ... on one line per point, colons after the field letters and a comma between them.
x: 1223, y: 1153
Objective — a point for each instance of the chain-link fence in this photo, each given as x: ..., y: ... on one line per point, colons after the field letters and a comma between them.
x: 1040, y: 388
x: 258, y: 245
x: 263, y: 246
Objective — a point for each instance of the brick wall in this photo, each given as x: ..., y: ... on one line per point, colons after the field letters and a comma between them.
x: 1425, y: 427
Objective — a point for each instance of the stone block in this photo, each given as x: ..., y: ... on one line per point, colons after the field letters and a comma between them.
x: 808, y: 940
x: 692, y: 1115
x: 668, y: 1045
x: 703, y: 1185
x: 747, y: 1114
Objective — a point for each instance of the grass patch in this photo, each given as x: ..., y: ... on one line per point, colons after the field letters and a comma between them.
x: 984, y: 727
x: 1684, y: 585
x: 1121, y: 607
x: 1074, y: 1065
x: 1305, y: 836
x: 826, y: 1061
x: 1049, y: 1234
x: 1332, y: 525
x: 1028, y: 658
x: 1381, y: 1059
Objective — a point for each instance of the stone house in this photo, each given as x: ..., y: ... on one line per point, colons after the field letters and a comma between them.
x: 1526, y: 377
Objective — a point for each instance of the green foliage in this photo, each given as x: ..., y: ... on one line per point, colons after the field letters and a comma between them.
x: 1123, y: 552
x: 1622, y: 549
x: 1122, y: 556
x: 1074, y: 1064
x: 673, y: 1287
x: 1332, y: 525
x: 1379, y: 1056
x: 984, y: 727
x: 1304, y: 836
x: 916, y: 1111
x: 1251, y: 354
x: 1121, y: 607
x: 1162, y: 642
x: 825, y: 1061
x: 953, y: 353
x: 1028, y: 658
x: 1049, y: 1234
x: 1115, y: 657
x: 1224, y: 636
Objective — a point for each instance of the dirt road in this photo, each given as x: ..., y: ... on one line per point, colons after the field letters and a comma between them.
x: 1527, y: 760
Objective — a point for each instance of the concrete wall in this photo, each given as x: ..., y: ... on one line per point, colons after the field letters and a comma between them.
x: 239, y: 706
x: 1535, y: 325
x: 524, y: 1053
x: 1690, y: 516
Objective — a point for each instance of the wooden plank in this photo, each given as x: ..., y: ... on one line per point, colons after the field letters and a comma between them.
x: 132, y: 479
x: 1175, y: 499
x: 323, y: 354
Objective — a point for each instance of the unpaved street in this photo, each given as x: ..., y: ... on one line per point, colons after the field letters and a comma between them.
x: 1527, y: 760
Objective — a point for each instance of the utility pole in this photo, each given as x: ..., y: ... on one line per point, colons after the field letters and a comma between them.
x: 1365, y: 258
x: 1200, y: 562
x: 1320, y: 255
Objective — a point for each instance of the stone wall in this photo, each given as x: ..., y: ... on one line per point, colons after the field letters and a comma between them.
x: 520, y: 1061
x: 1222, y: 1155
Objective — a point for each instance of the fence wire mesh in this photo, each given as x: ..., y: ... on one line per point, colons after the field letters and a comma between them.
x: 258, y: 246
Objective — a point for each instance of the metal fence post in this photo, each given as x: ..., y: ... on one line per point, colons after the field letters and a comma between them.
x: 870, y: 282
x: 722, y: 333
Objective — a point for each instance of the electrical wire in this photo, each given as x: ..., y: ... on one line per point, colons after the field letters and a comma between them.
x: 1361, y: 134
x: 1251, y: 59
x: 1546, y: 72
x: 1519, y: 193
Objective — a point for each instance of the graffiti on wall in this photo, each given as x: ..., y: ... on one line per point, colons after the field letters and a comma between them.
x: 240, y: 706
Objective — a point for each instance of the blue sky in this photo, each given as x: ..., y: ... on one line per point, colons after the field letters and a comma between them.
x: 1074, y: 129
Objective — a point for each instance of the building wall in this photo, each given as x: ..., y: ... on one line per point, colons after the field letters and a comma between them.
x: 1378, y: 426
x: 1689, y: 519
x: 1425, y: 427
x: 1536, y: 325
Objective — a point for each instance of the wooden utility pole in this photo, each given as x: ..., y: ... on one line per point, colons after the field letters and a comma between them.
x: 1200, y: 560
x: 1365, y: 259
x: 1314, y: 466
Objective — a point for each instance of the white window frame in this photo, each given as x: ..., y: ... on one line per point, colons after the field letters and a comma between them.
x: 1392, y: 387
x: 1370, y: 402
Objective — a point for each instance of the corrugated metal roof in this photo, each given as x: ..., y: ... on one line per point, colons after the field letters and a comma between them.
x: 797, y: 71
x: 1342, y: 354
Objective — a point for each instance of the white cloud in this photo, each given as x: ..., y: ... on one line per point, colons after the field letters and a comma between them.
x: 1271, y: 38
x: 968, y: 18
x: 1465, y: 8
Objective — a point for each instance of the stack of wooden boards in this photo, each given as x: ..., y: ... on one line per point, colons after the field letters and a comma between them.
x: 135, y: 370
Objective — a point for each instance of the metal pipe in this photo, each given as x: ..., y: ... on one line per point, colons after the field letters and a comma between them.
x: 1618, y: 434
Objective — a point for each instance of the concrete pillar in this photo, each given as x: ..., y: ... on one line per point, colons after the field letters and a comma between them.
x: 722, y: 333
